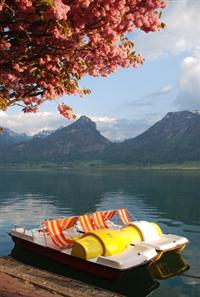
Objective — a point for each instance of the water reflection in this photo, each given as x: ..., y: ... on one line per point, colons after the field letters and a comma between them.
x: 170, y: 264
x: 174, y: 195
x: 169, y: 198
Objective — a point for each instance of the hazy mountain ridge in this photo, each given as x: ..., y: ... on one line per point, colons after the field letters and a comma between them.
x: 65, y: 144
x: 7, y: 136
x: 174, y: 139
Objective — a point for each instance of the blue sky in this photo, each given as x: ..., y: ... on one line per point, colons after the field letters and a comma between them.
x: 131, y: 100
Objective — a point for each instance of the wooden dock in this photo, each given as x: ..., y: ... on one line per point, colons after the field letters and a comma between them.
x: 18, y: 279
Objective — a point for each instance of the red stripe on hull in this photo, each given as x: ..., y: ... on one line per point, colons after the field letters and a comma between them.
x: 70, y: 261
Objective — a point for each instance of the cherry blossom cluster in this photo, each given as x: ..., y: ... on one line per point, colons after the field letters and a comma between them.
x: 47, y: 46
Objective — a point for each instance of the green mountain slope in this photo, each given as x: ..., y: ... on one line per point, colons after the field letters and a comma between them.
x: 176, y: 138
x: 73, y: 142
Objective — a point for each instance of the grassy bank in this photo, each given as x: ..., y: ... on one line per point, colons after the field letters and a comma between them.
x: 96, y: 164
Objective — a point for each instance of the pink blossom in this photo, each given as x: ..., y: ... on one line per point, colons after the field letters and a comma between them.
x: 65, y: 111
x: 59, y: 11
x: 58, y: 42
x: 18, y: 68
x: 30, y: 109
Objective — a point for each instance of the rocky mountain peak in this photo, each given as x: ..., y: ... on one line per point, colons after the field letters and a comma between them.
x: 185, y: 114
x: 84, y: 122
x: 173, y: 139
x: 78, y: 140
x: 175, y: 123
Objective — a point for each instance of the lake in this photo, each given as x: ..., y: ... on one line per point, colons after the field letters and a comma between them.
x: 172, y: 199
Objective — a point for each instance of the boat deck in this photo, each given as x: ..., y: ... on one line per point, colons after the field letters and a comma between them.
x: 132, y: 256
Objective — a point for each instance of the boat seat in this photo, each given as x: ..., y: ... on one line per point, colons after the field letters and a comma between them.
x: 113, y: 226
x: 151, y: 235
x: 72, y: 232
x: 133, y: 255
x: 58, y: 236
x: 167, y: 242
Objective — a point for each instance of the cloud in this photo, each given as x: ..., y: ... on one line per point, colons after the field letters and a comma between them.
x: 181, y: 32
x: 180, y: 36
x: 2, y: 114
x: 163, y: 91
x: 141, y: 103
x: 102, y: 120
x: 137, y: 103
x: 121, y: 129
x: 189, y: 84
x: 32, y: 123
x: 112, y: 128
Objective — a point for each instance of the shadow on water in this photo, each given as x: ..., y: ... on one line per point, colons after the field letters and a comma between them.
x: 140, y: 281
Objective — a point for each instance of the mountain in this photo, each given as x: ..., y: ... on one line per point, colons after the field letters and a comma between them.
x: 74, y: 142
x: 174, y: 139
x: 7, y: 136
x: 44, y: 133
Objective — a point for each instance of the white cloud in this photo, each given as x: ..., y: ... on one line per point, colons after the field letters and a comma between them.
x: 181, y: 33
x: 189, y: 84
x: 2, y: 114
x: 102, y: 119
x: 111, y: 128
x: 166, y: 89
x: 121, y: 129
x: 32, y: 123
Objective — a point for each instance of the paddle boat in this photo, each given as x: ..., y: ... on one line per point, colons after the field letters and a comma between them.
x: 95, y: 244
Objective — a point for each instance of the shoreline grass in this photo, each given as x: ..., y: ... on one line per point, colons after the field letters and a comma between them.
x: 97, y: 165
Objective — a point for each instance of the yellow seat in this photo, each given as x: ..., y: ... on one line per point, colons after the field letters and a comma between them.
x: 102, y: 242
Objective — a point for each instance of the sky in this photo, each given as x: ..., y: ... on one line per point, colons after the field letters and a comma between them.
x: 128, y: 102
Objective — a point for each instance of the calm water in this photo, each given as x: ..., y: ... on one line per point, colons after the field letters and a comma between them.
x: 170, y: 198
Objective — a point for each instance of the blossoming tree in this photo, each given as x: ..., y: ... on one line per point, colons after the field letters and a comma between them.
x: 47, y: 46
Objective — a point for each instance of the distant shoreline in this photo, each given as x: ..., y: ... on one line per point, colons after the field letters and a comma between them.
x: 97, y: 165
